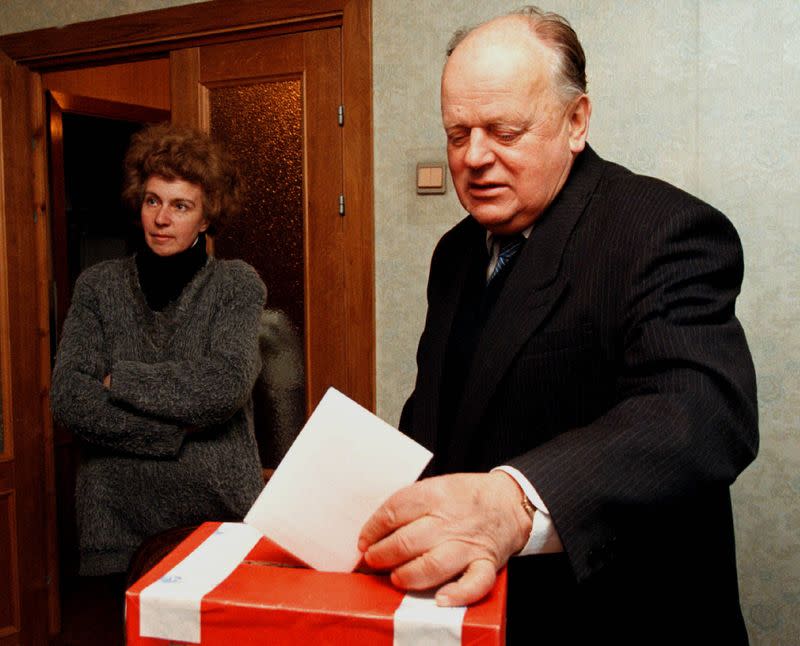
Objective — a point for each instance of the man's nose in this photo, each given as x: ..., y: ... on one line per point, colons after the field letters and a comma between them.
x: 479, y: 151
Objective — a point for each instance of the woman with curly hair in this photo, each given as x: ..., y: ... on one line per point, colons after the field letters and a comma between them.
x: 158, y: 359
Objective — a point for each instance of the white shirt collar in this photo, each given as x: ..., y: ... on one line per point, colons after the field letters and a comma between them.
x: 490, y: 237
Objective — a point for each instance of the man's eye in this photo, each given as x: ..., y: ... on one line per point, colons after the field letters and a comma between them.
x: 456, y: 139
x: 181, y: 206
x: 506, y: 136
x: 150, y: 201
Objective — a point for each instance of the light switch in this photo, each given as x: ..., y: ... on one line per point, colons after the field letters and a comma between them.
x: 430, y: 178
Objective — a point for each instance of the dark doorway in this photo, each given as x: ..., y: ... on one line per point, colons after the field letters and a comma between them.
x: 98, y: 225
x: 97, y: 228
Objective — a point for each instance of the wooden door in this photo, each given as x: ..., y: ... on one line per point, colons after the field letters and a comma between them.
x: 276, y: 102
x: 23, y: 544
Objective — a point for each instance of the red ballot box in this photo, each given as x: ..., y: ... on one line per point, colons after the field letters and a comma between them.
x: 225, y: 584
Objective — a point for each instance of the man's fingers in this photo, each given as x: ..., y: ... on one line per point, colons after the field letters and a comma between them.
x: 433, y: 568
x: 400, y: 509
x: 404, y: 544
x: 474, y: 584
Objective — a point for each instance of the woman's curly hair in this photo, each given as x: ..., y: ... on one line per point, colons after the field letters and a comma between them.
x: 177, y: 152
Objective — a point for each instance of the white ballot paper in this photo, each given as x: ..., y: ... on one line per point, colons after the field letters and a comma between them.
x: 343, y: 465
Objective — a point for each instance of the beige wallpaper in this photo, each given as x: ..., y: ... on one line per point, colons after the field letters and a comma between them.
x: 701, y: 93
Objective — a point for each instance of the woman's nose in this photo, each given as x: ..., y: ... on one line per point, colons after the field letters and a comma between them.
x: 162, y: 215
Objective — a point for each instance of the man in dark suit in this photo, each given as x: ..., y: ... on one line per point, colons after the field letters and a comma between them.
x: 582, y: 378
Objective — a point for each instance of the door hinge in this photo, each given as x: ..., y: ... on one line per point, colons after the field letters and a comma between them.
x: 341, y: 115
x: 341, y: 204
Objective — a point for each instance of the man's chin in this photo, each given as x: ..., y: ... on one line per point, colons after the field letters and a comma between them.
x: 501, y: 221
x: 495, y: 221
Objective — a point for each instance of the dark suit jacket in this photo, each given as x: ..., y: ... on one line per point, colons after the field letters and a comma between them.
x: 613, y: 373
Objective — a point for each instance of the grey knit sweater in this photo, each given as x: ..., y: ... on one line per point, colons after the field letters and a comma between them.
x: 171, y: 442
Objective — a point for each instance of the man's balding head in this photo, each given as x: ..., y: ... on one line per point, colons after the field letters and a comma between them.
x: 553, y: 30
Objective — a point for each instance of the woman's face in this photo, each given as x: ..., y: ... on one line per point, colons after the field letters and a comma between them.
x: 172, y: 214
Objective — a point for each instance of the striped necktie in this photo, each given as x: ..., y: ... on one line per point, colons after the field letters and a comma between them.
x: 509, y: 246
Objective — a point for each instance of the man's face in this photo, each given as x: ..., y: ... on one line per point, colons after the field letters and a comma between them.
x: 509, y: 136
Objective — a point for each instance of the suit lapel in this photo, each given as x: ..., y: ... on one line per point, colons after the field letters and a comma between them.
x: 445, y: 296
x: 532, y: 289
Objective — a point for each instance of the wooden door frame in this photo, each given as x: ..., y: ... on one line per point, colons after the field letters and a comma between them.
x: 156, y: 33
x: 26, y: 363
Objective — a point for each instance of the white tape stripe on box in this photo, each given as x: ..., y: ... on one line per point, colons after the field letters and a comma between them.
x: 170, y: 607
x: 418, y: 621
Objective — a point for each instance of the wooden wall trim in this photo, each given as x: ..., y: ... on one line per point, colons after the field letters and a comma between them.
x: 155, y: 32
x: 187, y: 95
x: 358, y: 167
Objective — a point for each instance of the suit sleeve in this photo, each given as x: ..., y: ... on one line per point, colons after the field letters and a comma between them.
x: 684, y: 416
x: 207, y: 390
x: 81, y: 402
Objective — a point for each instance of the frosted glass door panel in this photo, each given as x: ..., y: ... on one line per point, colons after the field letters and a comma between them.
x: 262, y: 126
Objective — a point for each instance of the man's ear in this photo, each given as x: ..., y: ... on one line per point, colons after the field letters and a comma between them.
x: 578, y: 117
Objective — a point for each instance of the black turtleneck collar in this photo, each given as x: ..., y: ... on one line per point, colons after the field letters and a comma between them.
x: 162, y: 278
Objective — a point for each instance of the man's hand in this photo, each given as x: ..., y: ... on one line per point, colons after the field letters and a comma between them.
x: 465, y: 524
